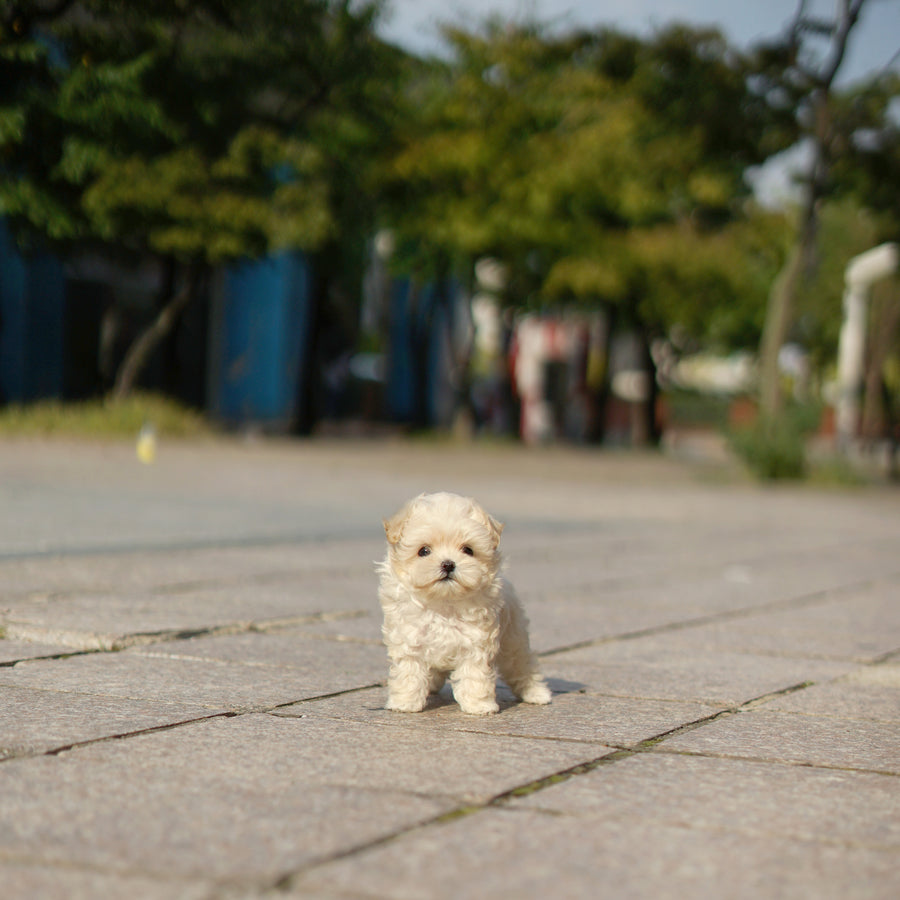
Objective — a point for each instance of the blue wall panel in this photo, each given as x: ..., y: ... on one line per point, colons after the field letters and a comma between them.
x: 262, y: 333
x: 32, y: 315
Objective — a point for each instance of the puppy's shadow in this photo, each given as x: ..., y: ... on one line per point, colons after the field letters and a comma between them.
x: 505, y: 697
x: 443, y: 698
x: 561, y: 686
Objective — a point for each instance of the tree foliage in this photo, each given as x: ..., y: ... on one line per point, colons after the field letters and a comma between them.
x: 601, y: 168
x: 199, y: 130
x: 867, y: 158
x: 797, y: 73
x: 845, y: 229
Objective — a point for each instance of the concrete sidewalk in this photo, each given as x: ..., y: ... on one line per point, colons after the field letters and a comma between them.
x: 191, y: 682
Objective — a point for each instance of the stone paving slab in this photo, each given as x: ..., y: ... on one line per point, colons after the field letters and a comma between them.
x: 180, y: 568
x: 178, y: 823
x: 813, y: 633
x: 164, y: 675
x: 730, y: 611
x: 308, y: 660
x: 105, y: 621
x: 361, y: 625
x: 800, y: 740
x: 15, y: 650
x: 101, y: 499
x: 713, y: 730
x: 38, y: 721
x: 713, y: 577
x: 562, y: 622
x: 651, y: 668
x: 252, y: 797
x: 871, y: 693
x: 26, y: 879
x: 752, y: 798
x: 507, y: 854
x: 573, y: 715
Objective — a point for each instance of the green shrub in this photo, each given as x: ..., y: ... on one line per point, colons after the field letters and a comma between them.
x: 102, y: 418
x: 774, y: 449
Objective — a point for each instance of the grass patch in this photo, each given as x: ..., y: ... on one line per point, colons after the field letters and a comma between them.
x: 772, y: 450
x: 775, y: 449
x: 837, y: 472
x: 103, y: 418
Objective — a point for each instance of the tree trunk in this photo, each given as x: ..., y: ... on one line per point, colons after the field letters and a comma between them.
x: 780, y: 309
x: 649, y: 431
x: 309, y: 381
x: 779, y: 315
x: 142, y: 347
x: 600, y: 395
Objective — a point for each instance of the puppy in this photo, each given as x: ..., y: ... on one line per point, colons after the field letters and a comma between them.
x: 449, y: 612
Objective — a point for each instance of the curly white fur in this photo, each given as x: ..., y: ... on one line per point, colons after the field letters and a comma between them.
x: 449, y: 612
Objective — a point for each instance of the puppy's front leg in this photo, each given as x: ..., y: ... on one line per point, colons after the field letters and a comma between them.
x: 408, y: 685
x: 475, y: 687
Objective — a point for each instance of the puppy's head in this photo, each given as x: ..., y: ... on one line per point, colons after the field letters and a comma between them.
x: 443, y: 546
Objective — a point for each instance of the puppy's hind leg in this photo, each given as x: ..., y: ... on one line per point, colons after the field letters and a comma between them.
x: 408, y: 685
x: 516, y: 663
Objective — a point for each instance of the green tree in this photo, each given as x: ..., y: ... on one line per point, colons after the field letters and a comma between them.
x: 197, y: 132
x: 600, y: 168
x: 845, y: 229
x: 798, y: 73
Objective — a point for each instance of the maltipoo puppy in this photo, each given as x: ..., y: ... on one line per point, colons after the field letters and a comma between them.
x: 449, y: 612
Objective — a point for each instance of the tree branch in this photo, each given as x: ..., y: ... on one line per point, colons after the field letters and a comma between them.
x: 843, y: 27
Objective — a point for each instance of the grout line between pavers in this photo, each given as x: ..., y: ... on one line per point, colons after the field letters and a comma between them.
x: 125, y: 735
x: 885, y: 658
x: 110, y: 738
x: 170, y: 726
x: 288, y: 881
x: 115, y: 643
x: 192, y: 545
x: 746, y: 612
x: 162, y: 589
x: 12, y: 663
x: 665, y: 575
x: 791, y: 763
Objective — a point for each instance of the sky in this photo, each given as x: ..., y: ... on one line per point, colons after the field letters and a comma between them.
x: 413, y: 24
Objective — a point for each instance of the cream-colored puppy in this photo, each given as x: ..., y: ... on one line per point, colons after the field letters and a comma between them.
x: 449, y: 612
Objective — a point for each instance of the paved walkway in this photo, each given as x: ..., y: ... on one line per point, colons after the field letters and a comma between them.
x: 191, y: 682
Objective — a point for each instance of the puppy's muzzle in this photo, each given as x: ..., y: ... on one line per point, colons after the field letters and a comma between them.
x: 448, y: 567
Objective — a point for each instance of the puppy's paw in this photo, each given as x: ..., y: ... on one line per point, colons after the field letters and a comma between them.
x: 538, y: 693
x: 479, y: 707
x: 405, y: 704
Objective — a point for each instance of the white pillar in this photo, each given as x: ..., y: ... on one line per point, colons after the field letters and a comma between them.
x: 859, y: 276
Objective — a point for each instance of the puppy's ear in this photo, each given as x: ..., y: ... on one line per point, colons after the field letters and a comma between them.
x: 494, y: 527
x: 393, y: 527
x: 496, y: 530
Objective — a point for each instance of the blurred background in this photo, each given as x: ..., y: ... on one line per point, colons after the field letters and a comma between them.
x: 536, y: 221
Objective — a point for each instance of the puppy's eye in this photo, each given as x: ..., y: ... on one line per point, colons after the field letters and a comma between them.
x: 424, y: 551
x: 468, y: 551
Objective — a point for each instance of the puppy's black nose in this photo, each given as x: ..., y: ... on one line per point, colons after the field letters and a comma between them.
x: 448, y: 566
